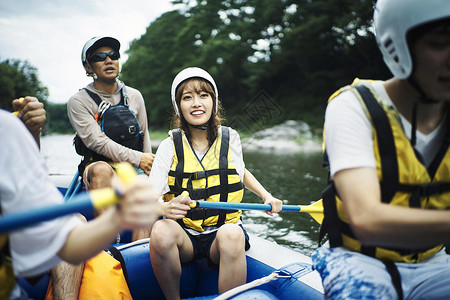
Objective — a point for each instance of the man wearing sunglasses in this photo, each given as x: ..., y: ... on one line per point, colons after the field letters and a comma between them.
x: 88, y: 111
x: 110, y: 121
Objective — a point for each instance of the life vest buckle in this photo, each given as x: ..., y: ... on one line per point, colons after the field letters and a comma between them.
x: 198, y: 175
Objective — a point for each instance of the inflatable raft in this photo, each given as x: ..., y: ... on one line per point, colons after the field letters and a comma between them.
x: 273, y: 272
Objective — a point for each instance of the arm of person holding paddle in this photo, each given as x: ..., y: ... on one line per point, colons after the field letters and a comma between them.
x: 25, y: 186
x: 387, y: 147
x: 253, y: 185
x: 137, y: 210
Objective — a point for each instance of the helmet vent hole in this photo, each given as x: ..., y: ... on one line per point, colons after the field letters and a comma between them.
x: 388, y: 43
x: 396, y: 59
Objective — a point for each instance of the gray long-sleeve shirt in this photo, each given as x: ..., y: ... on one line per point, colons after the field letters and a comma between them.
x: 81, y: 109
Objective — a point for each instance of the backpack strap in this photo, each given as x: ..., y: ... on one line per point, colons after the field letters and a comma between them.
x: 94, y: 96
x: 124, y: 97
x: 98, y: 100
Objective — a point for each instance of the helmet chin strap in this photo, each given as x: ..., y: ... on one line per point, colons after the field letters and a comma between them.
x: 421, y: 99
x: 202, y: 127
x: 92, y: 74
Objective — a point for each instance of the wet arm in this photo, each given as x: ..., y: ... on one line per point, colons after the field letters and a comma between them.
x: 256, y: 187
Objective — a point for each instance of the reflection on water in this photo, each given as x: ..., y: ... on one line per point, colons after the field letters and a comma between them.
x: 294, y: 178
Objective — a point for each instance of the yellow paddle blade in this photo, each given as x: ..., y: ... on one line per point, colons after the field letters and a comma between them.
x: 315, y: 210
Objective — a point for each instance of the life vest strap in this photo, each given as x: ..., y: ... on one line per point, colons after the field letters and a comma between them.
x: 395, y: 277
x: 432, y: 169
x: 199, y: 194
x: 385, y: 137
x: 202, y: 174
x: 330, y: 224
x: 424, y: 190
x: 205, y: 213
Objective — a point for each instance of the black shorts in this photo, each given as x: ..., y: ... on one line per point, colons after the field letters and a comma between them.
x: 202, y: 244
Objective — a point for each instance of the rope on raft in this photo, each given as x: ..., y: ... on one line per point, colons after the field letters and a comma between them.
x: 242, y: 288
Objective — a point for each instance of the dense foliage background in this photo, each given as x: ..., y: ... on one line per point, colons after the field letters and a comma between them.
x: 272, y: 59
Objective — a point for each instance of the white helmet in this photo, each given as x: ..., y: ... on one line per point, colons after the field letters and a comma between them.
x: 192, y: 72
x: 393, y: 19
x: 97, y: 42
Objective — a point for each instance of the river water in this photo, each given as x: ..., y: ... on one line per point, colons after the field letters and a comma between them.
x: 295, y: 178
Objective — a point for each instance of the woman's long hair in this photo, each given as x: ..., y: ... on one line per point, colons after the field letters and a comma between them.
x: 216, y: 118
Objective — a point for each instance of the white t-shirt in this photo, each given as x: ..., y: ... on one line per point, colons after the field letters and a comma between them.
x: 348, y: 133
x: 24, y: 185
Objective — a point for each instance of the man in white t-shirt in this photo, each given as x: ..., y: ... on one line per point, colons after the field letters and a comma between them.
x: 387, y: 142
x: 25, y: 184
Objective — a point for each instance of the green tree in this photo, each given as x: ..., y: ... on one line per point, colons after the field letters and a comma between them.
x: 19, y: 79
x: 151, y: 63
x: 57, y: 119
x: 294, y: 52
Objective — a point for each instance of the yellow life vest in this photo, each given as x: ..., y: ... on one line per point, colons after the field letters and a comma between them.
x: 213, y: 178
x: 404, y: 179
x: 7, y: 278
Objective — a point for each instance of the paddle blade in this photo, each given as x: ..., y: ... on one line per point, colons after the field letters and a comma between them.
x: 315, y: 210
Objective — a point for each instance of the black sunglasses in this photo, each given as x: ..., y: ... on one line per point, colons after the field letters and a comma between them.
x: 103, y: 55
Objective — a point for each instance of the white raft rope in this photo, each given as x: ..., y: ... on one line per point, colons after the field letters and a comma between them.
x: 257, y: 282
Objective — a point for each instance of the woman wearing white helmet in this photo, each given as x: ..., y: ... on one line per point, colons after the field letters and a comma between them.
x: 387, y: 205
x: 205, y: 160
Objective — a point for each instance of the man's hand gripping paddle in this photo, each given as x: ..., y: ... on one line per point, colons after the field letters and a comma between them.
x: 83, y: 203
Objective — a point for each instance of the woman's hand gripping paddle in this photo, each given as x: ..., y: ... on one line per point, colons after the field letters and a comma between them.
x: 315, y: 210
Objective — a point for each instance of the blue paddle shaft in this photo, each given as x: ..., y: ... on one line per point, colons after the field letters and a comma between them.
x: 72, y: 185
x: 243, y: 206
x: 17, y: 220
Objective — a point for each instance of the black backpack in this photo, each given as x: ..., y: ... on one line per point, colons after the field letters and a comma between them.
x: 118, y: 123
